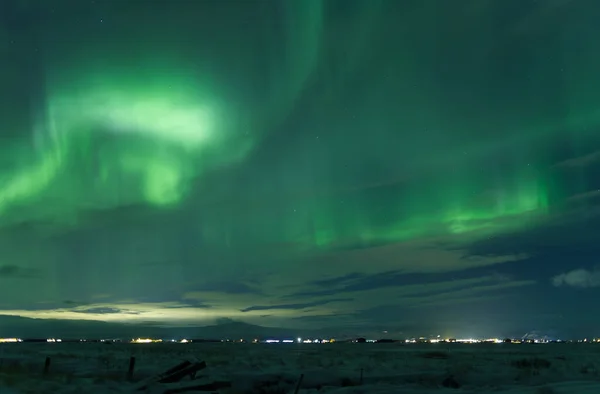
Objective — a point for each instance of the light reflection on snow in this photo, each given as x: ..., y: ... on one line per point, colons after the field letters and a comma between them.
x: 387, y: 368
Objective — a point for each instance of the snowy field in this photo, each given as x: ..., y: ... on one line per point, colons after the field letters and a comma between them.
x: 331, y: 368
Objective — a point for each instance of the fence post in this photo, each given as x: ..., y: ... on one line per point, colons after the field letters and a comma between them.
x: 47, y: 365
x: 131, y: 367
x: 299, y: 384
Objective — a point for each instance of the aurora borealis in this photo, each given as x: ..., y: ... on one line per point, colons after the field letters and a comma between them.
x: 376, y: 164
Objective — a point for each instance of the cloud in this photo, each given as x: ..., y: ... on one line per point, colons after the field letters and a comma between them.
x: 229, y: 287
x: 9, y: 270
x: 356, y: 283
x: 353, y: 298
x: 412, y: 293
x: 576, y: 227
x: 105, y: 310
x: 328, y: 282
x: 439, y: 293
x: 295, y: 306
x: 419, y: 256
x: 74, y: 303
x: 188, y: 304
x: 577, y: 278
x: 581, y: 161
x: 13, y: 271
x: 585, y: 197
x: 131, y: 313
x: 474, y: 293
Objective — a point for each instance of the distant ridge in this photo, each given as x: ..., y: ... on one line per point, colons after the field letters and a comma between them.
x: 21, y: 327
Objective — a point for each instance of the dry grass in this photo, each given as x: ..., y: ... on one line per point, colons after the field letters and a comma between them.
x: 545, y: 390
x: 531, y: 363
x: 439, y: 355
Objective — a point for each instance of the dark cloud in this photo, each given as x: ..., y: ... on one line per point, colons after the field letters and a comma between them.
x: 340, y: 319
x: 9, y: 270
x: 294, y: 306
x: 582, y: 161
x: 74, y: 303
x: 189, y: 304
x: 106, y: 310
x: 574, y: 232
x: 13, y: 271
x: 337, y: 281
x: 391, y: 279
x: 228, y: 287
x: 357, y: 282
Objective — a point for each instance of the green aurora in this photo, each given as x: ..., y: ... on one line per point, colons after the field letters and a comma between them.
x: 118, y: 139
x: 315, y: 134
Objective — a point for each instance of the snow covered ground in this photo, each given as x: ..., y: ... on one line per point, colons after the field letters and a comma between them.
x: 88, y: 368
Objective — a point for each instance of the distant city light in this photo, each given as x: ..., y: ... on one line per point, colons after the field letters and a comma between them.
x: 415, y: 340
x: 145, y: 340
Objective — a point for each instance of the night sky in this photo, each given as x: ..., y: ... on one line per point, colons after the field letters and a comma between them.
x: 418, y: 166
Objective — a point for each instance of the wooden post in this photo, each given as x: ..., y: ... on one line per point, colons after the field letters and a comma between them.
x: 131, y: 367
x: 47, y: 365
x: 299, y: 384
